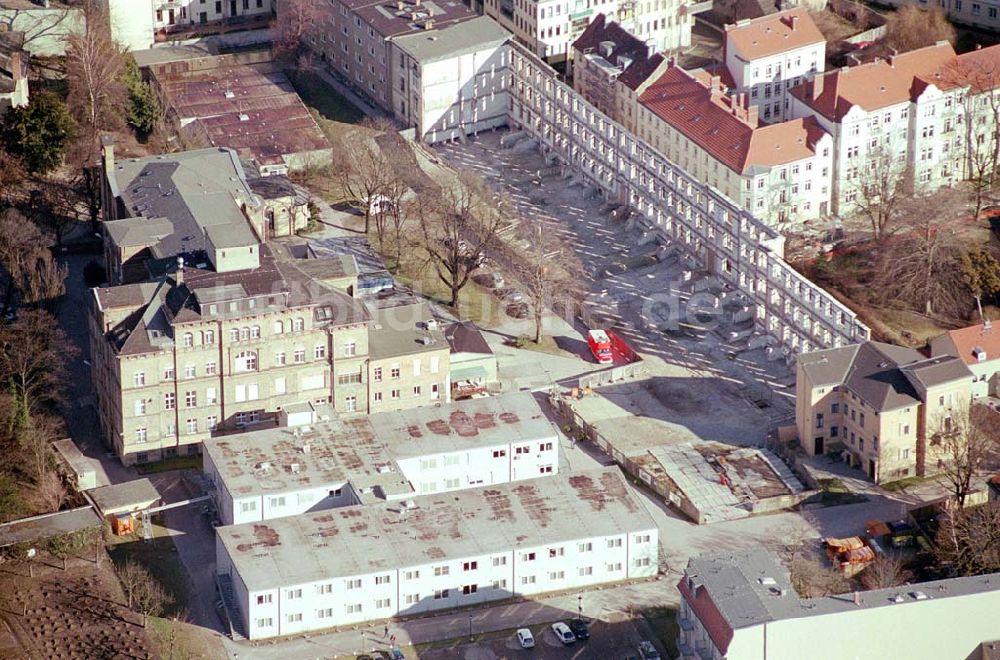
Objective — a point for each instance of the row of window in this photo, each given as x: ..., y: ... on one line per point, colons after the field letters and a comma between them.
x: 395, y: 395
x: 395, y: 371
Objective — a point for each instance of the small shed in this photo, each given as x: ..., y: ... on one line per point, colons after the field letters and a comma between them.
x: 79, y: 468
x: 125, y: 498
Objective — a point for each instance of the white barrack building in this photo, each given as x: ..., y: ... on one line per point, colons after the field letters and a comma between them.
x: 331, y: 462
x: 376, y: 561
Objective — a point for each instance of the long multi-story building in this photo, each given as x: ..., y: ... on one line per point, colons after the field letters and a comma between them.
x: 742, y: 606
x: 387, y: 559
x: 435, y: 66
x: 548, y: 28
x: 765, y: 57
x: 881, y: 406
x: 906, y: 115
x: 779, y: 172
x: 324, y: 461
x: 678, y: 208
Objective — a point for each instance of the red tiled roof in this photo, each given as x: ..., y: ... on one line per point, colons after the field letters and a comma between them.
x: 884, y: 83
x: 712, y: 122
x: 976, y: 336
x: 773, y: 34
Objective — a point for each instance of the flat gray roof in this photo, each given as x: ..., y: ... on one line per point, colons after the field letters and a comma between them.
x: 736, y: 583
x: 364, y: 451
x: 199, y: 191
x: 402, y: 329
x: 462, y: 425
x: 459, y: 39
x: 49, y: 525
x: 128, y: 495
x: 365, y: 539
x: 275, y: 460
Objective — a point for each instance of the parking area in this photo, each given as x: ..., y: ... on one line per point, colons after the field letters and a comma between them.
x: 608, y: 640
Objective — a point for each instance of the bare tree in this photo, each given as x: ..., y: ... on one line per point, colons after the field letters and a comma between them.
x: 911, y: 27
x: 295, y: 20
x: 968, y: 540
x: 365, y: 171
x: 549, y: 271
x: 878, y: 190
x: 459, y: 225
x: 34, y: 353
x: 921, y: 265
x: 143, y: 593
x: 966, y: 439
x: 811, y: 579
x: 886, y: 571
x: 396, y: 212
x: 95, y: 65
x: 12, y: 174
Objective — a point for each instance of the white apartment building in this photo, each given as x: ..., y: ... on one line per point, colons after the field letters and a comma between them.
x: 435, y: 66
x: 779, y: 172
x: 329, y: 462
x: 136, y: 24
x: 767, y: 56
x: 741, y: 606
x: 372, y: 562
x: 907, y: 112
x: 453, y: 84
x: 549, y: 27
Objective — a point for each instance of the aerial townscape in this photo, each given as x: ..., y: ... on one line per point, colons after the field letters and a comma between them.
x: 500, y: 329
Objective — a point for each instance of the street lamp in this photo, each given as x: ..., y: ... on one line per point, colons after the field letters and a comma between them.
x: 362, y: 641
x: 579, y: 607
x: 470, y: 627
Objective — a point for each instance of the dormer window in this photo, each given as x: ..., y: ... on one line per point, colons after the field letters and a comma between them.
x: 979, y: 353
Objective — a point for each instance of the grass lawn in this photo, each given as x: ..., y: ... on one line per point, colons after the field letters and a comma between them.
x: 172, y: 463
x: 902, y: 484
x: 663, y: 621
x: 546, y: 345
x: 159, y: 557
x: 176, y: 640
x: 913, y: 329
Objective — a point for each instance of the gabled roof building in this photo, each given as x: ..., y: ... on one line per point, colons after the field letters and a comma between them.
x: 878, y: 405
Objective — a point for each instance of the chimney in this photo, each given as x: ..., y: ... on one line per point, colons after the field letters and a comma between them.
x: 857, y: 599
x: 179, y: 273
x: 791, y: 22
x: 979, y: 46
x: 400, y: 5
x: 429, y: 24
x: 16, y: 72
x: 753, y: 116
x: 817, y: 87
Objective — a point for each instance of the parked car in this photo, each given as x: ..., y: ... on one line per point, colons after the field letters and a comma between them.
x: 647, y: 651
x: 579, y: 628
x: 397, y: 653
x: 525, y: 638
x: 563, y: 632
x: 492, y: 280
x: 518, y: 310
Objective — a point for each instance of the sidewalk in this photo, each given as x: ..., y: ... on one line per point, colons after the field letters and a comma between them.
x: 597, y: 604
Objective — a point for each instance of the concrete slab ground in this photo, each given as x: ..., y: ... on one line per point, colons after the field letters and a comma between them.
x: 651, y: 303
